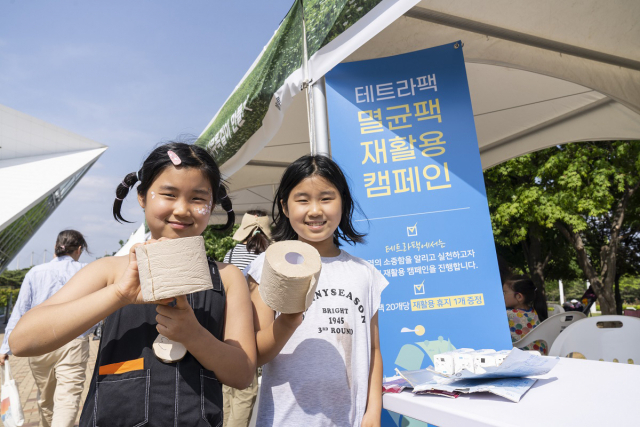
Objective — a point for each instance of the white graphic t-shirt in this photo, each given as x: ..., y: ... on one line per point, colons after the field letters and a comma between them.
x: 321, y: 376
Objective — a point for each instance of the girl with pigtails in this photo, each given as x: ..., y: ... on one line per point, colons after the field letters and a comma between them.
x: 179, y: 185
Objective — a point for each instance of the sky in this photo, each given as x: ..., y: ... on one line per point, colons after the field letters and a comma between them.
x: 129, y: 75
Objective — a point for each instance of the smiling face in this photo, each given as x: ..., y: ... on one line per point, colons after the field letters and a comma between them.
x: 314, y: 209
x: 178, y: 203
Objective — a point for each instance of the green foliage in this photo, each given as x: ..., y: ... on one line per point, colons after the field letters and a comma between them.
x: 630, y: 290
x: 573, y: 289
x: 4, y: 295
x: 577, y: 185
x: 218, y: 243
x: 13, y: 277
x: 568, y: 183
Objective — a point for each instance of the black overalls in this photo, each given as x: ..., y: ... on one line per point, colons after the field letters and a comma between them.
x: 131, y: 387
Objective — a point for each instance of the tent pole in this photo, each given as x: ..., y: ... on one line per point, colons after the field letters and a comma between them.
x: 320, y: 118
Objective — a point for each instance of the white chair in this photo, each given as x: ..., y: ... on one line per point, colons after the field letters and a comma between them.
x: 554, y: 309
x: 549, y: 330
x: 608, y: 338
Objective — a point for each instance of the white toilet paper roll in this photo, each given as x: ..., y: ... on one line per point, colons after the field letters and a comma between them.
x: 173, y: 267
x: 167, y: 350
x: 290, y: 276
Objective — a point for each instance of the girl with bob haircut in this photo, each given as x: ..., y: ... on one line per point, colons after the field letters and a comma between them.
x: 526, y: 309
x: 322, y: 367
x: 179, y: 186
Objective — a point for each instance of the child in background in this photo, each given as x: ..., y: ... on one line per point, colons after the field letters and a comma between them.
x: 179, y: 186
x: 322, y: 367
x: 526, y: 308
x: 254, y: 237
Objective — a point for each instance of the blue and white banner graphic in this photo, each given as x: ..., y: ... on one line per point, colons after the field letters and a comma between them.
x: 402, y: 129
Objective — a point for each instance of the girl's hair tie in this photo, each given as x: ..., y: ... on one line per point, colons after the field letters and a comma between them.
x: 224, y: 197
x: 138, y: 176
x: 62, y: 247
x: 124, y: 184
x: 118, y: 198
x: 230, y: 210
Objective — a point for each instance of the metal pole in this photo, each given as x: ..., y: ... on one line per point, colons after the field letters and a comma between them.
x: 561, y: 292
x: 44, y: 256
x: 320, y: 118
x: 31, y: 258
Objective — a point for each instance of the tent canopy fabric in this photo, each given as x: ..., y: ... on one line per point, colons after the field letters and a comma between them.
x: 540, y: 73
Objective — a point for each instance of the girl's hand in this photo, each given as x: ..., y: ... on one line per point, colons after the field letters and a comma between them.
x: 371, y: 420
x: 128, y: 287
x: 178, y: 323
x: 293, y: 320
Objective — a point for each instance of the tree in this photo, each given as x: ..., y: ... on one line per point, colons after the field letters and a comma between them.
x: 218, y: 243
x: 628, y: 257
x: 581, y: 192
x: 522, y: 238
x: 13, y: 277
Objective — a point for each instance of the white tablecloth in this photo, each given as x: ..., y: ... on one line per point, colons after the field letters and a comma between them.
x: 574, y: 393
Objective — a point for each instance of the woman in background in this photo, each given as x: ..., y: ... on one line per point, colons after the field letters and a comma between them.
x: 254, y: 236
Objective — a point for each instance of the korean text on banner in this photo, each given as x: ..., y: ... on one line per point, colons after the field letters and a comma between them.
x: 402, y: 129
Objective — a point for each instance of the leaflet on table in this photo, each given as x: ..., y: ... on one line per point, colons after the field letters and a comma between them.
x: 395, y: 384
x: 509, y: 388
x: 427, y: 382
x: 517, y: 364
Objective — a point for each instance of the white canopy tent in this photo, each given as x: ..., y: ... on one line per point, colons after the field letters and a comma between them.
x: 540, y: 73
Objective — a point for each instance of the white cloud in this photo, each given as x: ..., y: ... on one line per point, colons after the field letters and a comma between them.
x: 93, y: 189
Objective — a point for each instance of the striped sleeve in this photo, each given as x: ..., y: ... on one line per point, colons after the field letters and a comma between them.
x: 240, y: 258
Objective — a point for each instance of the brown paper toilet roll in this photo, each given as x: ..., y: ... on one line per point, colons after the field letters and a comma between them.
x: 290, y: 276
x: 173, y: 267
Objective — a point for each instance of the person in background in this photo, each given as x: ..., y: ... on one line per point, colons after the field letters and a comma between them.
x: 254, y: 236
x: 526, y: 308
x: 60, y: 374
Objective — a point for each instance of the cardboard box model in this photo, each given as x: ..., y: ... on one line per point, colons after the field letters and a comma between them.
x: 173, y: 267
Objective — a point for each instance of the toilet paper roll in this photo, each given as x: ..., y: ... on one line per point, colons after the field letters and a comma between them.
x: 289, y: 276
x: 168, y: 351
x: 173, y: 267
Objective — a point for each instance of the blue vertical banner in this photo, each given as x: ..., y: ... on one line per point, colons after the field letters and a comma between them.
x: 402, y: 129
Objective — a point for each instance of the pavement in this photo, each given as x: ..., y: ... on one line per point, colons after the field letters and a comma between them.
x: 27, y: 386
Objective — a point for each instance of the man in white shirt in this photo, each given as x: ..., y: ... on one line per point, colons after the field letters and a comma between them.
x: 59, y: 375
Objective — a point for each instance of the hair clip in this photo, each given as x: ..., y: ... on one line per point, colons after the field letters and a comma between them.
x: 174, y: 158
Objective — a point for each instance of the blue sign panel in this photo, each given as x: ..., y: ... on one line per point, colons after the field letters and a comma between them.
x: 402, y: 129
